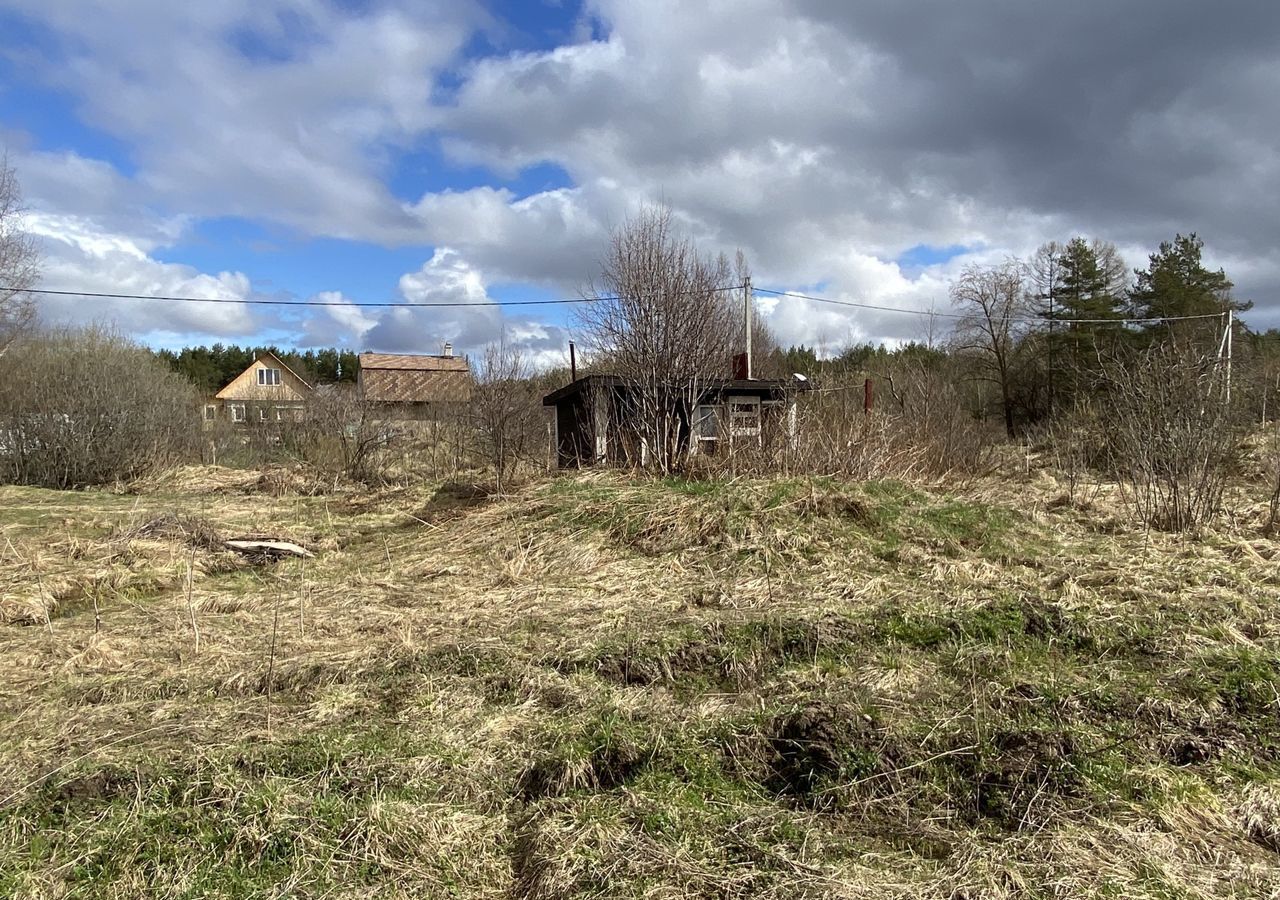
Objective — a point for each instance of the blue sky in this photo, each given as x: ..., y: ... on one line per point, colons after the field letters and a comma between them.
x: 476, y: 152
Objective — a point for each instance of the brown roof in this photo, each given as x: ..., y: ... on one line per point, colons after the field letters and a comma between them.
x: 391, y: 378
x: 413, y: 362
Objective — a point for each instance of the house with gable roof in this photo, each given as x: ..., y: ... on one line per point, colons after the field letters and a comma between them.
x: 268, y: 391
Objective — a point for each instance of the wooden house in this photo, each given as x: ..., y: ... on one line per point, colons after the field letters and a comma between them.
x: 595, y: 418
x: 414, y: 387
x: 265, y: 393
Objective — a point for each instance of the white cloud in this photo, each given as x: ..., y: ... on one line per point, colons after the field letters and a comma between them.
x: 80, y: 256
x: 302, y: 137
x: 449, y: 278
x: 825, y: 138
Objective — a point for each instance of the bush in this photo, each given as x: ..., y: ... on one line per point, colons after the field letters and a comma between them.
x: 920, y: 426
x: 343, y: 435
x: 1171, y: 436
x: 82, y: 407
x: 1271, y: 473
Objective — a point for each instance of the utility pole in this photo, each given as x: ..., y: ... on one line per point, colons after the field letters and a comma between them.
x: 1051, y: 320
x: 1230, y: 328
x: 746, y: 320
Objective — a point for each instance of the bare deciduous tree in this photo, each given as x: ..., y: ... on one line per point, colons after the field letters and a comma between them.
x: 19, y: 261
x: 668, y: 319
x: 505, y: 409
x: 997, y: 308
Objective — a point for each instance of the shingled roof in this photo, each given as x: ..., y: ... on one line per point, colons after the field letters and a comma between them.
x: 405, y: 378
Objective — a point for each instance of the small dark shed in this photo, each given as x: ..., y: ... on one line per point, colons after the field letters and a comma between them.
x: 595, y: 424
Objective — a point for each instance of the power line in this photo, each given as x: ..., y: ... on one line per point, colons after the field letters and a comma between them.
x: 1123, y: 320
x: 259, y: 301
x: 386, y: 304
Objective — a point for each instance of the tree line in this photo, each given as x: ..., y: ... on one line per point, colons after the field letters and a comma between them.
x: 1033, y: 337
x: 211, y: 368
x: 1042, y: 331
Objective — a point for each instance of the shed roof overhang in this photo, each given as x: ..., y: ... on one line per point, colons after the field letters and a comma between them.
x: 765, y: 388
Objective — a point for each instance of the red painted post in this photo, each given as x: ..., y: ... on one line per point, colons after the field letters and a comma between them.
x: 867, y: 397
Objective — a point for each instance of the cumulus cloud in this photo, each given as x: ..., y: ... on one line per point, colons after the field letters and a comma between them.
x: 80, y: 256
x: 288, y: 111
x: 817, y: 134
x: 827, y: 139
x: 447, y: 278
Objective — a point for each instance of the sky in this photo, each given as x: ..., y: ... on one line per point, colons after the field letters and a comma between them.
x: 472, y: 152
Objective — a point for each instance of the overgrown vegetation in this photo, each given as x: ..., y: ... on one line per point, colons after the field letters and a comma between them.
x: 612, y: 686
x: 86, y: 407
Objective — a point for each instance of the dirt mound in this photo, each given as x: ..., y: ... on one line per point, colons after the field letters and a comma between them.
x: 821, y: 745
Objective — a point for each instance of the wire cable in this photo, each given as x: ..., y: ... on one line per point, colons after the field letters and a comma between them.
x: 388, y: 304
x: 263, y: 301
x: 1122, y: 320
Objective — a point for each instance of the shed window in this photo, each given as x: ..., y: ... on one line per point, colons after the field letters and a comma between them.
x: 268, y: 376
x: 210, y: 412
x: 708, y: 425
x: 744, y: 417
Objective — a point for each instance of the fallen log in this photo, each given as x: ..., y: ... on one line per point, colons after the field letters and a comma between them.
x: 268, y: 548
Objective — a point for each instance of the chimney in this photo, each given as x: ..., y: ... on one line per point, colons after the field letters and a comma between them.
x: 448, y: 349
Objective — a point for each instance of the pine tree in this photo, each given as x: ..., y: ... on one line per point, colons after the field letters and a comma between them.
x: 1176, y: 283
x: 1081, y: 282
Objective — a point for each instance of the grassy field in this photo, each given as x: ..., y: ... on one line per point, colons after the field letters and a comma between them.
x: 607, y: 687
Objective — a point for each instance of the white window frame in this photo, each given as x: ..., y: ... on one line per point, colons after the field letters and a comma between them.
x: 744, y: 417
x: 268, y: 377
x: 262, y: 414
x: 707, y: 413
x: 237, y: 412
x: 210, y: 412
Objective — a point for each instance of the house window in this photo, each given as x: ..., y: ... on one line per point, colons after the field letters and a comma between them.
x: 744, y: 417
x: 237, y: 412
x: 262, y: 414
x: 708, y: 423
x: 268, y: 376
x: 210, y: 412
x: 279, y: 413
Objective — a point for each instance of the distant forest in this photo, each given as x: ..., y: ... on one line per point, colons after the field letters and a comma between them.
x: 211, y: 368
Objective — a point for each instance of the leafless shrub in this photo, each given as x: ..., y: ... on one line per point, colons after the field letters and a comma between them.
x: 506, y: 412
x: 1170, y: 436
x: 918, y: 426
x: 1271, y: 470
x: 442, y: 448
x: 81, y: 407
x: 343, y: 435
x: 1075, y: 444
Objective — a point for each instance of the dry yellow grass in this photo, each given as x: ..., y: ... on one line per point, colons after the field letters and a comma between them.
x: 604, y: 686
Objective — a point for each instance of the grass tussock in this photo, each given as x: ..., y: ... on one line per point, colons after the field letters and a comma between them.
x: 603, y: 686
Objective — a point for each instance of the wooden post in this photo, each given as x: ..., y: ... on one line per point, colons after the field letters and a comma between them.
x: 867, y: 397
x: 746, y: 315
x: 573, y: 362
x: 1230, y: 328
